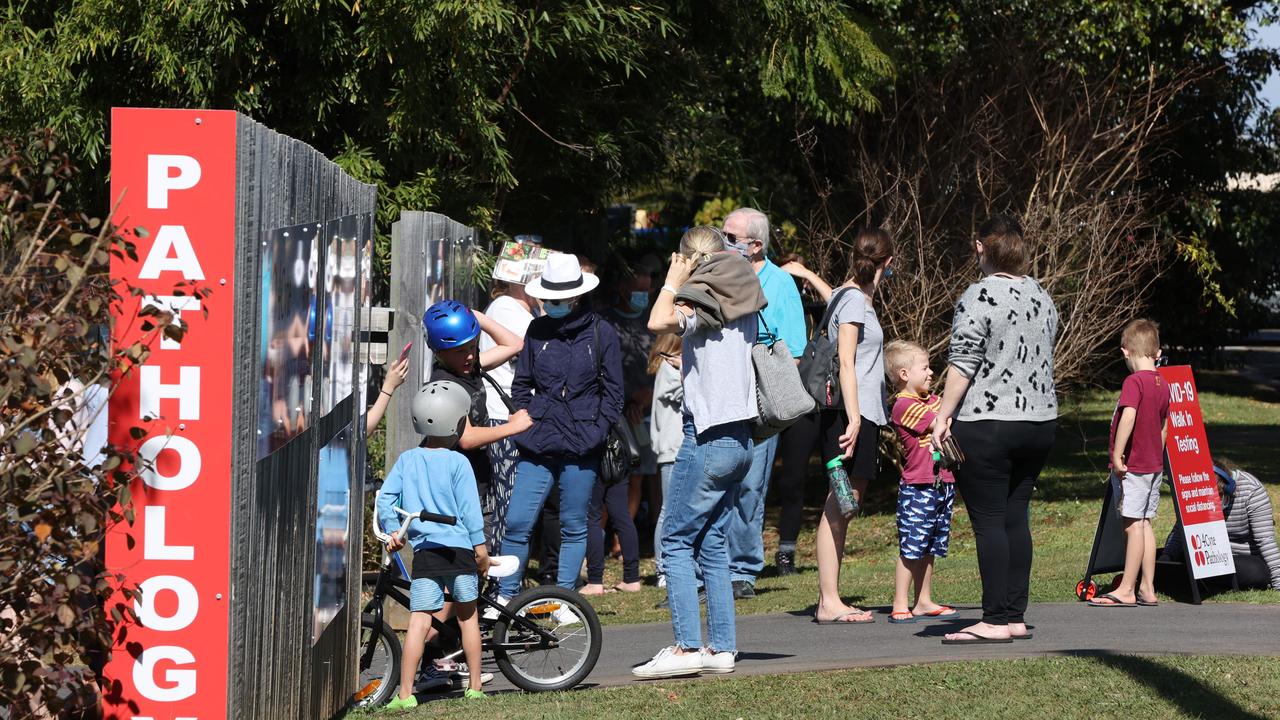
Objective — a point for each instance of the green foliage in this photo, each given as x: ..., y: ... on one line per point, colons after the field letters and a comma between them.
x: 484, y: 110
x: 821, y: 57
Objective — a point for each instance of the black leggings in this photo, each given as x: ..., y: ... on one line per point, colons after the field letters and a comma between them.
x: 1003, y: 459
x: 616, y: 499
x: 796, y: 444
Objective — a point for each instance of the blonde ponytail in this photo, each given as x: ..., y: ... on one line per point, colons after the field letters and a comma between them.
x: 701, y: 242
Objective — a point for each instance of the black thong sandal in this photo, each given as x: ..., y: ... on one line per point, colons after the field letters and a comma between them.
x: 976, y: 639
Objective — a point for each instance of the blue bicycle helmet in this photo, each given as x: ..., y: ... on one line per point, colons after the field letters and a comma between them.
x: 449, y: 324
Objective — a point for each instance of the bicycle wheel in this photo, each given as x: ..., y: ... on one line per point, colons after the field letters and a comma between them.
x: 380, y: 677
x: 539, y: 667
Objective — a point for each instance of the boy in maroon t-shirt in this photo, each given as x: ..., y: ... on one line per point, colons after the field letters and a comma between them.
x: 1137, y: 460
x: 927, y: 494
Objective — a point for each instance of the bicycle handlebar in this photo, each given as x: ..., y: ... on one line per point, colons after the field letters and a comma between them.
x: 424, y: 516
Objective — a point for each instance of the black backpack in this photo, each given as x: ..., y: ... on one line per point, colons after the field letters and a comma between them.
x: 820, y: 364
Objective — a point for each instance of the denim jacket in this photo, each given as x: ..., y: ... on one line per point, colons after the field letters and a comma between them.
x: 556, y: 381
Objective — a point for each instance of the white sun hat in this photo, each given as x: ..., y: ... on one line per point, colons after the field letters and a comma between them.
x: 562, y: 279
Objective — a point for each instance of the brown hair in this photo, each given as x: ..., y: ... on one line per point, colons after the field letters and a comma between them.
x: 898, y: 355
x: 1004, y: 247
x: 871, y: 248
x: 668, y: 343
x: 498, y: 288
x: 1141, y: 337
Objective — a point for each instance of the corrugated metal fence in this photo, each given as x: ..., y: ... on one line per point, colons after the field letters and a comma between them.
x: 303, y: 234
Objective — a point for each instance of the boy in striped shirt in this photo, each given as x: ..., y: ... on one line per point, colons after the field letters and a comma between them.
x: 927, y: 493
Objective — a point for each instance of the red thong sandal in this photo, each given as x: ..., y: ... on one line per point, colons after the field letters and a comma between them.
x: 940, y: 611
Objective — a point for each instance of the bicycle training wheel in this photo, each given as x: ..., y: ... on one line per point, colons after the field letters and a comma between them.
x: 538, y: 666
x: 379, y: 678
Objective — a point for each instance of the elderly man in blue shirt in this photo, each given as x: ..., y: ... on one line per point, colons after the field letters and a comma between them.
x: 784, y: 315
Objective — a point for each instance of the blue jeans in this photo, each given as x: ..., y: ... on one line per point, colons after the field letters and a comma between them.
x: 534, y: 478
x: 704, y: 486
x: 746, y: 527
x: 664, y: 475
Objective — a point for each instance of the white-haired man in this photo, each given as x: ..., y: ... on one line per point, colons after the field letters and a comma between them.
x: 748, y: 228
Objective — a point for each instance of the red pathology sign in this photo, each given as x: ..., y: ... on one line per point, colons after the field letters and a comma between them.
x: 175, y: 173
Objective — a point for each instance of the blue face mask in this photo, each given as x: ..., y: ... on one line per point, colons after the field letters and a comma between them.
x: 639, y: 300
x: 557, y: 308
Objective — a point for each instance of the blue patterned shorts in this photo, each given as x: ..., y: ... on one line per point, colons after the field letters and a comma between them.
x: 427, y: 594
x: 924, y: 520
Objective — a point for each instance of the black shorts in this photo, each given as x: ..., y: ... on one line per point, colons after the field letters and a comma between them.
x: 865, y: 463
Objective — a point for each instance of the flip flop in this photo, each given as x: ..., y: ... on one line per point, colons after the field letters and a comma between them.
x: 1115, y: 602
x: 976, y: 639
x: 942, y: 611
x: 1147, y: 603
x: 901, y: 618
x: 840, y: 619
x: 1028, y: 636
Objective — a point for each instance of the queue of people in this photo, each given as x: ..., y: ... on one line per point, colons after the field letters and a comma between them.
x: 549, y: 375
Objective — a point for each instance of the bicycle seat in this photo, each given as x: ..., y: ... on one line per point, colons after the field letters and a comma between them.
x: 501, y: 566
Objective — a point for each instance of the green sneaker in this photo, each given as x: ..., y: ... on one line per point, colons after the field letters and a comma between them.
x: 474, y: 695
x: 401, y: 703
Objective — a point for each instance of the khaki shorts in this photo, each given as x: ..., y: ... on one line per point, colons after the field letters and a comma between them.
x: 1137, y: 495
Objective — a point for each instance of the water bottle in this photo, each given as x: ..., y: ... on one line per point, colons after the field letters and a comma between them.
x: 838, y: 479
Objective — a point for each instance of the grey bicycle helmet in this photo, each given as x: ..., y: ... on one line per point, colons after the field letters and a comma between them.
x: 440, y: 408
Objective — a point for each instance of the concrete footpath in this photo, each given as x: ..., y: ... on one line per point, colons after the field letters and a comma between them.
x: 791, y: 642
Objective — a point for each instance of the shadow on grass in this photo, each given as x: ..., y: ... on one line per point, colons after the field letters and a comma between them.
x: 1193, y: 696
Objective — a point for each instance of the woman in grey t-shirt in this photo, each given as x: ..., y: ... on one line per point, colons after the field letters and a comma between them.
x: 852, y: 430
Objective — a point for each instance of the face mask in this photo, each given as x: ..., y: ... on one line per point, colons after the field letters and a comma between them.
x: 557, y: 308
x: 639, y: 300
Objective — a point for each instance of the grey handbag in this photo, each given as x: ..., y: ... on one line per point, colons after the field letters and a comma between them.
x: 781, y: 397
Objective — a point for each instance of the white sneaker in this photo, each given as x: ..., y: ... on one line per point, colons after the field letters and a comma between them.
x: 717, y: 662
x: 492, y: 614
x: 463, y: 675
x: 667, y: 663
x: 564, y: 616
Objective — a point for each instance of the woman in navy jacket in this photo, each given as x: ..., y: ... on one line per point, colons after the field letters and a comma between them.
x: 569, y: 378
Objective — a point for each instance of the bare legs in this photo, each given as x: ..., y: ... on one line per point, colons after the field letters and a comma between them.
x: 830, y: 547
x: 421, y: 631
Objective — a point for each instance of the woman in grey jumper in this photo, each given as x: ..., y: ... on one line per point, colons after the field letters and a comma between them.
x: 1001, y: 395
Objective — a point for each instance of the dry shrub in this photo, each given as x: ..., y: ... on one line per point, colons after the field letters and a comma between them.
x: 1067, y: 155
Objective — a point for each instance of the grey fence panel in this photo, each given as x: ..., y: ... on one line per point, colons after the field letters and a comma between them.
x: 432, y: 259
x: 277, y: 669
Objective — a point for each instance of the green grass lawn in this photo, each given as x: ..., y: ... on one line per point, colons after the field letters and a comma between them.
x: 1111, y: 686
x: 1063, y: 518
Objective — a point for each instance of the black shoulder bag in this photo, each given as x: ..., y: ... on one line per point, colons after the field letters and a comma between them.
x: 621, y: 455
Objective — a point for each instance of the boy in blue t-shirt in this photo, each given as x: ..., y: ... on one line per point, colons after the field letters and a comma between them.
x: 435, y: 478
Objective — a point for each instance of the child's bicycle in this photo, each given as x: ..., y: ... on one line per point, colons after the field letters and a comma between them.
x: 545, y: 638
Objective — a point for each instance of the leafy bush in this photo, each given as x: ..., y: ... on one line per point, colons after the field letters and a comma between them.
x: 55, y: 308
